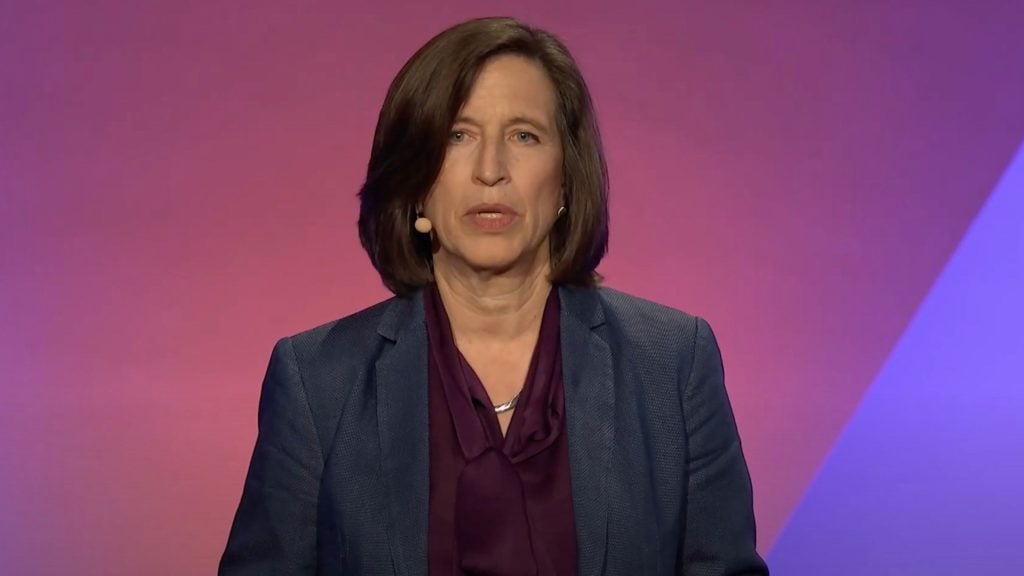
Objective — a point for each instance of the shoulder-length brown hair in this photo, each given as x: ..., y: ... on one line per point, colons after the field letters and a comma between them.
x: 411, y: 138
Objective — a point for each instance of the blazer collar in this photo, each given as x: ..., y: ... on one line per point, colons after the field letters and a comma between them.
x: 590, y: 421
x: 401, y: 372
x: 401, y: 376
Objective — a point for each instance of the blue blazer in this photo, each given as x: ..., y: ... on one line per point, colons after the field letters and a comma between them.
x: 338, y: 482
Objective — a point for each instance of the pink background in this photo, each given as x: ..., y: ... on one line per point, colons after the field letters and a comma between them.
x: 178, y: 190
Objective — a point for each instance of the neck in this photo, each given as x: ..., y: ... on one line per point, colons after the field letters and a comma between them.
x: 493, y: 308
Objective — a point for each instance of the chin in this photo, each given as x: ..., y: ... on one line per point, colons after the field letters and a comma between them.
x: 494, y: 261
x: 495, y: 257
x: 493, y: 265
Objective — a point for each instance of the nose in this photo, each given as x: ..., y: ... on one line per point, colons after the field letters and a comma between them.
x: 490, y: 167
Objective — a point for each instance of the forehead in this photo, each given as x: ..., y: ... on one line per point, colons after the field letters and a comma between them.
x: 511, y: 85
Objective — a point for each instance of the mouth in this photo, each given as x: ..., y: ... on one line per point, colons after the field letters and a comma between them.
x: 492, y: 211
x: 492, y: 217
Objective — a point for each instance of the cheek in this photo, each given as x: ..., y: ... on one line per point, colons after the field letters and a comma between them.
x: 441, y: 200
x: 554, y: 174
x: 440, y: 207
x: 435, y: 198
x: 550, y: 188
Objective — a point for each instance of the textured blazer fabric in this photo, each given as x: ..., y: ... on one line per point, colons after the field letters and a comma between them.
x: 338, y: 482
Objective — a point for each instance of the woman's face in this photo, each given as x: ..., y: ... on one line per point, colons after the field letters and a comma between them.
x: 498, y: 193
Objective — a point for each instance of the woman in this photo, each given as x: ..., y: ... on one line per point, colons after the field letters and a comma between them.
x: 502, y: 414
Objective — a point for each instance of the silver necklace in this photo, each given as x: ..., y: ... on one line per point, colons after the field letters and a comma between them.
x: 502, y: 408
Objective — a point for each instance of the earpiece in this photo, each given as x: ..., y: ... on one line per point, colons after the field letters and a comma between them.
x: 423, y: 225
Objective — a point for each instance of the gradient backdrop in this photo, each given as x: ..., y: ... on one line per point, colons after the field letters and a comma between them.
x: 837, y: 186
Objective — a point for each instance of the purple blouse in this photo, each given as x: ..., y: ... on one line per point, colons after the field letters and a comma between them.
x: 498, y: 505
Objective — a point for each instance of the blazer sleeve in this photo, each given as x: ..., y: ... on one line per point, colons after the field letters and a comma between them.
x: 719, y: 535
x: 274, y: 531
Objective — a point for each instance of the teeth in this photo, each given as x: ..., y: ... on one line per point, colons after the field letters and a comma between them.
x: 491, y: 215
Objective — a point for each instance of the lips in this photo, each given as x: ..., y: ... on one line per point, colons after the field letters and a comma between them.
x: 492, y: 217
x: 491, y: 210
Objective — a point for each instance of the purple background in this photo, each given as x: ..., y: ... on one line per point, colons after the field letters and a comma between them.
x: 831, y: 184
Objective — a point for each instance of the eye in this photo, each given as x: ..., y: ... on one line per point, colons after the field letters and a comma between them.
x: 457, y: 136
x: 525, y: 137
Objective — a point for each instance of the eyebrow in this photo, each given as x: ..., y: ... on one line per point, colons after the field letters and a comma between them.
x: 540, y: 126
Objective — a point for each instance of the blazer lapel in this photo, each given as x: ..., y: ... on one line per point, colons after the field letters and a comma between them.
x: 590, y: 413
x: 404, y: 428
